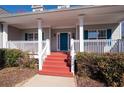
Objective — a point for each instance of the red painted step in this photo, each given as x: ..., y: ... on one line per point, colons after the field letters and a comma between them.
x: 51, y: 68
x: 57, y: 56
x: 55, y: 65
x: 55, y: 59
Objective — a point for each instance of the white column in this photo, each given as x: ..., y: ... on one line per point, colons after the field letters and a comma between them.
x: 76, y: 32
x: 5, y: 35
x: 40, y: 43
x: 81, y: 33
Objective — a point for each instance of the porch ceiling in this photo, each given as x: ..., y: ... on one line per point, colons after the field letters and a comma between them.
x: 67, y: 17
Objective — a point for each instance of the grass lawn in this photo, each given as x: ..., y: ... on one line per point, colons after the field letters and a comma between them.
x: 11, y: 76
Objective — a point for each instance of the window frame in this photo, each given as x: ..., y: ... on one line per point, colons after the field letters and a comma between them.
x: 34, y: 36
x: 97, y: 30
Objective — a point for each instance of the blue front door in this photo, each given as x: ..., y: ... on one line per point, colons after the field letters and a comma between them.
x: 63, y: 41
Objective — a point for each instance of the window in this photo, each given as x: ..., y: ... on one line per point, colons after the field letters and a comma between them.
x: 102, y: 34
x: 96, y: 34
x: 32, y: 36
x: 92, y: 35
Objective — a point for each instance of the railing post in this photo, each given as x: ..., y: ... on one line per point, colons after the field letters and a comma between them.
x: 72, y: 56
x: 48, y: 46
x: 119, y: 45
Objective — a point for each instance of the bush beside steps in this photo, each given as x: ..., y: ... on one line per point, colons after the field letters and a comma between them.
x: 107, y: 68
x: 16, y: 58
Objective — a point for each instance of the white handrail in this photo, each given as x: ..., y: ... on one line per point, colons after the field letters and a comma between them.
x: 45, y: 52
x: 72, y: 56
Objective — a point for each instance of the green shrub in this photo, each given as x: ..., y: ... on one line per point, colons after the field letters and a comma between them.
x: 108, y: 68
x: 15, y: 58
x: 11, y: 57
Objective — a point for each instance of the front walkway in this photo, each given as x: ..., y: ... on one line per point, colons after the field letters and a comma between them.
x: 48, y: 81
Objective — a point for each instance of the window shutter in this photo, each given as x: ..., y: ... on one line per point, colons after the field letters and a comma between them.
x: 109, y: 33
x: 26, y: 36
x: 43, y: 36
x: 85, y: 34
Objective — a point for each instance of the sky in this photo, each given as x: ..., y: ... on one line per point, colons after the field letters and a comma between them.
x: 23, y: 8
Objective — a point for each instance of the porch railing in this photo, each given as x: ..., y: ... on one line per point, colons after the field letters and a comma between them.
x: 32, y: 48
x: 96, y: 46
x: 28, y: 46
x: 100, y: 46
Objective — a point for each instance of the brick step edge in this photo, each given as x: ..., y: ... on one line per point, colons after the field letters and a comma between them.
x: 55, y: 74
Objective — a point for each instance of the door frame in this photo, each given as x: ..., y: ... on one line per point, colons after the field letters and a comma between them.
x: 58, y: 40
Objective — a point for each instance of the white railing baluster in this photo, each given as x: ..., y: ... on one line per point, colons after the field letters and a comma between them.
x: 29, y: 46
x: 100, y: 46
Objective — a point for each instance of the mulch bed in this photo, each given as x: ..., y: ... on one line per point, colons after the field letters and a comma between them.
x: 11, y: 76
x: 88, y: 82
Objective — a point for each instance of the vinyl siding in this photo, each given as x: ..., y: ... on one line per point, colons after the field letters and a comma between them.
x: 14, y: 34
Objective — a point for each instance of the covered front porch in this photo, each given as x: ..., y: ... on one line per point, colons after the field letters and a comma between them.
x: 84, y: 30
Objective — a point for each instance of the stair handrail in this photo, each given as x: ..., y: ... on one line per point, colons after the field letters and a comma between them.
x: 72, y: 55
x: 45, y: 51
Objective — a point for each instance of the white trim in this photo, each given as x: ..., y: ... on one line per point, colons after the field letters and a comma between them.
x: 58, y: 36
x: 50, y: 38
x: 58, y: 39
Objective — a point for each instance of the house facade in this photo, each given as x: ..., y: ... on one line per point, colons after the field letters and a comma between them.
x: 87, y: 28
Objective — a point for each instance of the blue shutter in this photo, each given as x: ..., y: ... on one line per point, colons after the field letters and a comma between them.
x: 109, y: 33
x: 43, y: 36
x: 26, y: 36
x: 85, y: 34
